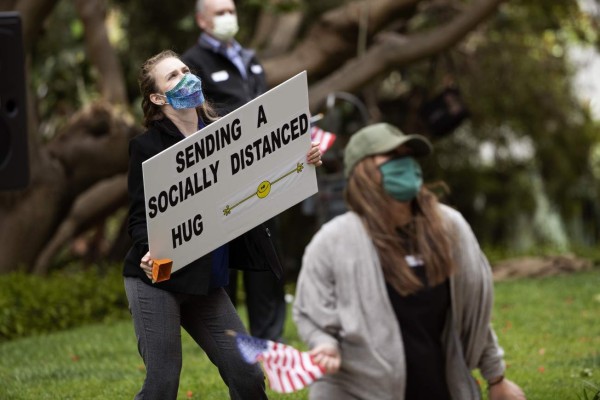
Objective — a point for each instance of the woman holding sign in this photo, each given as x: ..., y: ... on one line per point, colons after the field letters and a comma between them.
x: 193, y: 298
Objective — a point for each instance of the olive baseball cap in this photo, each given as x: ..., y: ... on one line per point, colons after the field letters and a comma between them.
x: 379, y: 139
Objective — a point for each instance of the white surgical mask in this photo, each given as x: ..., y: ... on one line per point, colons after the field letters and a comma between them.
x: 225, y: 26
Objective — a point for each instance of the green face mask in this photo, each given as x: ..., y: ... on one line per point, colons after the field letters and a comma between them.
x: 402, y: 178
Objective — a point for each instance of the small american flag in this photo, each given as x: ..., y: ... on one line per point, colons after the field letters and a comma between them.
x: 287, y: 369
x: 319, y: 135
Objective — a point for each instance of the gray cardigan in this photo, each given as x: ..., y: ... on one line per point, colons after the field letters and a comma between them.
x: 341, y: 299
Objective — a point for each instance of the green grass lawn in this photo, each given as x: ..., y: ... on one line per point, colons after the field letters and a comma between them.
x: 549, y: 328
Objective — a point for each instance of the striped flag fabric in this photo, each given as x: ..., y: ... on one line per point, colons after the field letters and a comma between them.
x: 288, y: 369
x: 319, y: 135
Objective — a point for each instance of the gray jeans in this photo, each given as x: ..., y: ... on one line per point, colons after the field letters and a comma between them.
x: 157, y: 318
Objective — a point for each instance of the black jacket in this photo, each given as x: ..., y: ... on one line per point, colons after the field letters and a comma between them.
x: 222, y: 83
x: 253, y: 250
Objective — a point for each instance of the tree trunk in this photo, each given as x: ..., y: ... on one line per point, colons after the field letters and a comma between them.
x: 276, y: 33
x: 33, y: 13
x: 92, y: 147
x: 91, y: 208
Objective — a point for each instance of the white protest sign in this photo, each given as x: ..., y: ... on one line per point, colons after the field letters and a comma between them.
x: 229, y: 177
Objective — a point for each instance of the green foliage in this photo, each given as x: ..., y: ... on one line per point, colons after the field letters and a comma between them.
x: 61, y: 74
x: 537, y: 187
x: 547, y: 327
x: 32, y: 304
x: 590, y: 392
x: 152, y: 27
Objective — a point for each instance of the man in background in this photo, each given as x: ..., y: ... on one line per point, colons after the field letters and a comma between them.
x: 231, y: 76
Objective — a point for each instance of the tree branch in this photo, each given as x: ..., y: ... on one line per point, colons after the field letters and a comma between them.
x: 94, y: 145
x: 101, y: 53
x: 276, y: 33
x: 393, y: 50
x: 93, y: 206
x: 333, y: 38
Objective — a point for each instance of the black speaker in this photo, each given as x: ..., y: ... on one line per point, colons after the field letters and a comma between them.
x: 14, y: 160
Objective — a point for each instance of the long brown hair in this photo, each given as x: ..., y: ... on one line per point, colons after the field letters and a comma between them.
x: 427, y: 231
x: 147, y: 85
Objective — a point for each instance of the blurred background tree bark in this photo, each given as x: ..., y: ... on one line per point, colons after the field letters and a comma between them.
x: 520, y: 150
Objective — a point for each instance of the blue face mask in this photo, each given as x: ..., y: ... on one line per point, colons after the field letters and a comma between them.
x: 402, y: 178
x: 187, y: 93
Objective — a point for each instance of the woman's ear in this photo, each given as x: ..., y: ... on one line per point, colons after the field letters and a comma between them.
x: 157, y: 99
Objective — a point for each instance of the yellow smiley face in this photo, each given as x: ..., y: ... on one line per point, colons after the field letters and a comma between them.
x: 263, y: 189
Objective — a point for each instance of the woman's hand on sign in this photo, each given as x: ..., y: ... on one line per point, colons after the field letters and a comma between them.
x: 146, y: 265
x: 314, y: 154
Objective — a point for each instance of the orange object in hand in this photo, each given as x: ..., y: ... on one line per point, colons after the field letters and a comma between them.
x: 161, y: 270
